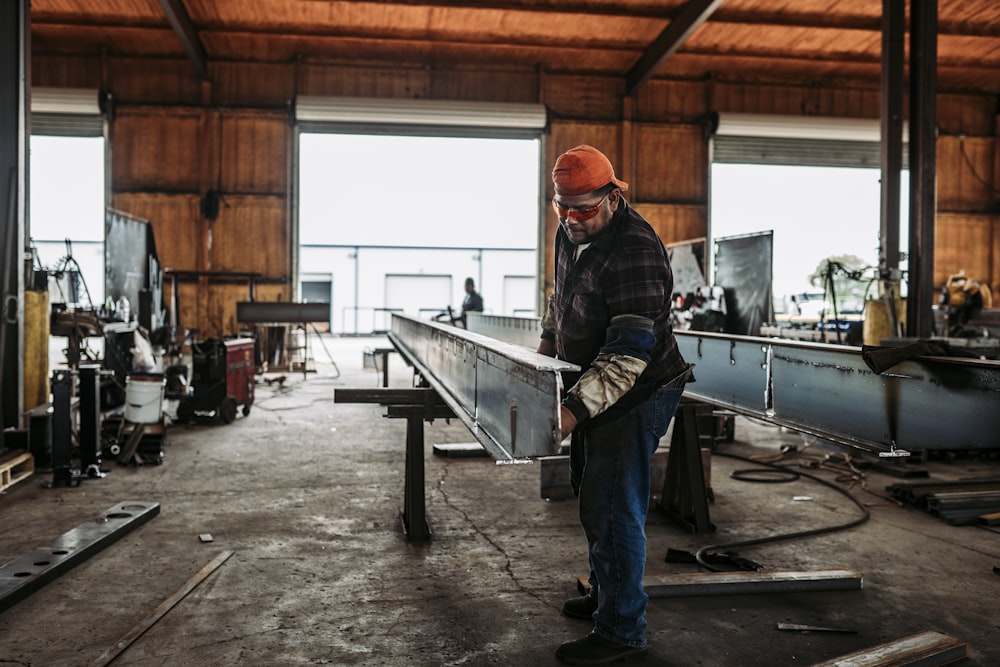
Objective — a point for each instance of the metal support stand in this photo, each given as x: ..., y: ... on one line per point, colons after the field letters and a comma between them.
x: 414, y: 515
x: 685, y: 495
x: 61, y: 385
x: 129, y: 453
x: 90, y: 421
x: 381, y: 357
x: 319, y: 337
x: 416, y: 406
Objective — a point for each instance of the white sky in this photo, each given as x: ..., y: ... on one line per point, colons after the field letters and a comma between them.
x: 815, y: 213
x: 418, y: 191
x: 67, y: 188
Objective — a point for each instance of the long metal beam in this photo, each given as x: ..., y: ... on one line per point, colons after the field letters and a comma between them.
x: 829, y: 391
x: 290, y: 312
x: 506, y: 395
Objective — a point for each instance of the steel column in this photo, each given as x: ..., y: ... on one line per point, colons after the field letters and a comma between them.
x: 893, y: 43
x: 15, y: 130
x: 923, y: 138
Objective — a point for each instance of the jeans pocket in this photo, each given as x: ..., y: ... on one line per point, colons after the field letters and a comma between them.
x: 667, y: 399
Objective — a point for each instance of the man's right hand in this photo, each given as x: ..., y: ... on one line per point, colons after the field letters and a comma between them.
x: 567, y: 420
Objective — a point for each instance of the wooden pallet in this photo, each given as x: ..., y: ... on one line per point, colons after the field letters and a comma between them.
x: 15, y: 466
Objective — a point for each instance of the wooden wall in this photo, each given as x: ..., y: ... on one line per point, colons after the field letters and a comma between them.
x: 173, y: 139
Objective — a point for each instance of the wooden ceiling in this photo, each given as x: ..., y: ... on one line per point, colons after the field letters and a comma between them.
x: 801, y: 41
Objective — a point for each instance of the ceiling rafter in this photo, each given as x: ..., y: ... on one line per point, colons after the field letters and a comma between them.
x: 187, y: 34
x: 626, y: 39
x: 688, y: 19
x: 721, y: 18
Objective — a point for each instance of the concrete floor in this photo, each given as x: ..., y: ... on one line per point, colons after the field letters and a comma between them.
x: 307, y: 495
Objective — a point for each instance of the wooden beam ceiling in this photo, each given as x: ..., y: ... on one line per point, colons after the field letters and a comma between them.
x: 804, y: 42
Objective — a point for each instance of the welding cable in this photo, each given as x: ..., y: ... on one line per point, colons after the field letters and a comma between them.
x: 866, y: 514
x: 765, y: 476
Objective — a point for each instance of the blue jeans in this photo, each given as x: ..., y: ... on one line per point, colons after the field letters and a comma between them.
x: 609, y: 468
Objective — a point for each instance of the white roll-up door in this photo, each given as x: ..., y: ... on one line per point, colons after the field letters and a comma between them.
x: 798, y: 141
x: 415, y: 116
x: 69, y: 112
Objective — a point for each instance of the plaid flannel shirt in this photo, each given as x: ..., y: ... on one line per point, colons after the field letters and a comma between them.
x: 624, y: 272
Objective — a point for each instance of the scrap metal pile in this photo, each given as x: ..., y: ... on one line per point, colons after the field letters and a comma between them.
x: 960, y: 503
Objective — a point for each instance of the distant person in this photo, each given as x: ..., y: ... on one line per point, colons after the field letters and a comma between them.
x: 473, y: 302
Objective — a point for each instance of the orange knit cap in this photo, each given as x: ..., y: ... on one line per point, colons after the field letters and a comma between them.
x: 582, y: 170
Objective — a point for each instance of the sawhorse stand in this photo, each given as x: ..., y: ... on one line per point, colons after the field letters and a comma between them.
x: 382, y: 362
x: 685, y: 494
x: 416, y: 406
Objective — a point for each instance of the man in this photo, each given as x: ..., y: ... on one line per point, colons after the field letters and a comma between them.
x: 609, y: 314
x: 472, y: 302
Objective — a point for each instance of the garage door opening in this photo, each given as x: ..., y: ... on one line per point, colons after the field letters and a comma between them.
x: 374, y: 206
x: 66, y: 204
x: 818, y: 214
x: 814, y: 185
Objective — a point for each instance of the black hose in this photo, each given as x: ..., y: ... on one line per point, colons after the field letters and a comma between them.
x: 866, y: 514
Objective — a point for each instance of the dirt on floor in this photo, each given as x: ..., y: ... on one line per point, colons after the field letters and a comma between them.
x: 306, y: 494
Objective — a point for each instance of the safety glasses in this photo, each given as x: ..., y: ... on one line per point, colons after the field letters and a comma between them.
x: 578, y: 213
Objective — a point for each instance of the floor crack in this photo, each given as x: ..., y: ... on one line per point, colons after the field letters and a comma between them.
x: 507, y: 560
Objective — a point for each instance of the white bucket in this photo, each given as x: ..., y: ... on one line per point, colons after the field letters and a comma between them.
x: 144, y: 398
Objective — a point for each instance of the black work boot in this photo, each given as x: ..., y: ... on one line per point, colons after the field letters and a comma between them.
x: 596, y: 650
x: 581, y: 608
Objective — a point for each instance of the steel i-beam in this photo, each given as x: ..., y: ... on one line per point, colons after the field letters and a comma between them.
x: 506, y: 395
x: 830, y: 392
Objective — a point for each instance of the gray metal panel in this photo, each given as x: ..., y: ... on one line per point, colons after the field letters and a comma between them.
x: 506, y: 395
x: 829, y: 391
x: 727, y: 371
